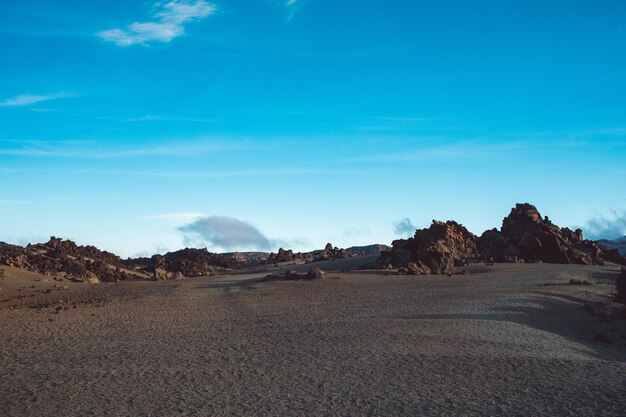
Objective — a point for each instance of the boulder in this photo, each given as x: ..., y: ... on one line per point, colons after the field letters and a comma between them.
x: 175, y: 276
x: 435, y: 250
x: 526, y: 236
x: 315, y: 273
x: 159, y: 274
x: 293, y: 274
x: 91, y: 278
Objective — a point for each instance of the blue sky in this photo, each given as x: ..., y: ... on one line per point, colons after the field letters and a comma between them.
x: 142, y: 126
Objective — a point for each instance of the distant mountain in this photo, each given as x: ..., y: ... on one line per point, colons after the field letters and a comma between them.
x: 619, y: 244
x: 368, y: 250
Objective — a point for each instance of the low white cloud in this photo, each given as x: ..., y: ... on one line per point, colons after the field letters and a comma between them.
x: 606, y: 227
x: 226, y: 233
x: 169, y: 23
x: 29, y: 99
x: 404, y: 228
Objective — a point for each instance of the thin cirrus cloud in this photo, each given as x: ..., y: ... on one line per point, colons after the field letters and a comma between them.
x: 23, y: 100
x: 291, y: 8
x: 169, y: 23
x: 71, y: 149
x: 184, y: 217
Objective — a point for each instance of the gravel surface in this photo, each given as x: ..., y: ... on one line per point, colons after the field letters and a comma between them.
x: 507, y: 340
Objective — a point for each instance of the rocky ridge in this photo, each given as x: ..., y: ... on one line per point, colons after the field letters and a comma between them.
x: 525, y: 236
x: 63, y: 259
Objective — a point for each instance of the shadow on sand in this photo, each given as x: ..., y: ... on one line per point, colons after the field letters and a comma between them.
x: 561, y: 315
x: 234, y: 285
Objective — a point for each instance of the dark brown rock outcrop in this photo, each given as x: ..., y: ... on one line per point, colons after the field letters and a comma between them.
x: 248, y: 258
x: 330, y: 252
x: 436, y: 250
x: 527, y: 236
x: 315, y: 273
x: 65, y: 259
x: 290, y: 275
x: 189, y: 262
x: 282, y: 256
x: 618, y: 245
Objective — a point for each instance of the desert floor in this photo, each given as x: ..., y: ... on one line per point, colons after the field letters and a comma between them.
x: 507, y: 340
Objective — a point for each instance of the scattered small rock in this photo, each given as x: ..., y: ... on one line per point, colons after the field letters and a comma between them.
x: 579, y: 282
x: 292, y: 274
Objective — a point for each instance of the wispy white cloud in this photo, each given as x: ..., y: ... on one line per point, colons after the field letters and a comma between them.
x: 408, y: 119
x: 401, y: 123
x: 480, y: 148
x: 13, y: 202
x: 292, y: 7
x: 86, y: 149
x: 29, y: 99
x: 207, y: 174
x: 156, y: 118
x: 170, y: 20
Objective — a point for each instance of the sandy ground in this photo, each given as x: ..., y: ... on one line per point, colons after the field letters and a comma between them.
x: 508, y: 340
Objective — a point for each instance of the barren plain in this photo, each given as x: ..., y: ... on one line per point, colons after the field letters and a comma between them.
x: 509, y: 339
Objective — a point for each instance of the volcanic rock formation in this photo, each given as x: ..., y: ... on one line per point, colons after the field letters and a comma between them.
x: 525, y: 235
x: 436, y: 250
x: 330, y: 252
x: 188, y: 262
x: 65, y: 259
x: 282, y: 256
